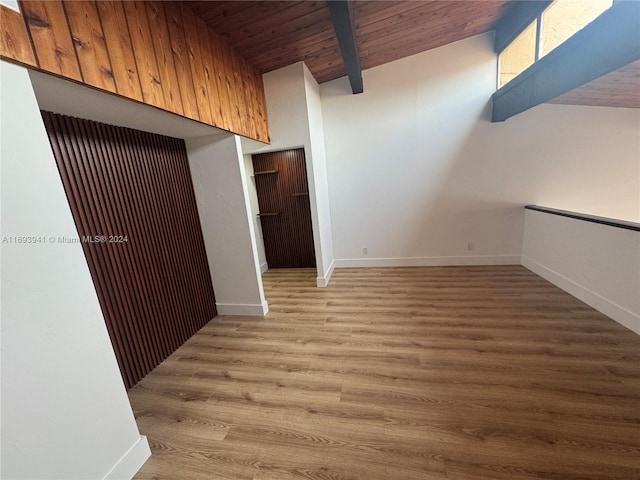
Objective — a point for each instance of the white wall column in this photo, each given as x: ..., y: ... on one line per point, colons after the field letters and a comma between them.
x: 295, y: 118
x: 220, y: 184
x: 65, y: 411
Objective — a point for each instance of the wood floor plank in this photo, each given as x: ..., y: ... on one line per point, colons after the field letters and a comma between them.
x: 400, y: 373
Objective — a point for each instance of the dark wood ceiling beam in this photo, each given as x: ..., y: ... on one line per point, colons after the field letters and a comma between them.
x: 345, y: 31
x: 515, y: 20
x: 608, y: 43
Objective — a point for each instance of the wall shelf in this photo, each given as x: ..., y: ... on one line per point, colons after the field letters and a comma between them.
x: 269, y: 214
x: 265, y: 172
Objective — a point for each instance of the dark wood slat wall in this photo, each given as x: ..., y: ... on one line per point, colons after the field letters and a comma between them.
x: 158, y: 53
x: 154, y: 289
x: 283, y: 198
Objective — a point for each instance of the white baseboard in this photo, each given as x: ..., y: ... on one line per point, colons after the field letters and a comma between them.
x: 604, y: 305
x: 245, y: 310
x: 428, y: 261
x: 131, y: 461
x: 264, y: 267
x: 323, y: 282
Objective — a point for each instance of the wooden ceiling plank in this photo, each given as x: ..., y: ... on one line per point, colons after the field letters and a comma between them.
x: 266, y: 33
x: 118, y: 42
x: 425, y: 30
x: 219, y: 76
x: 210, y: 81
x: 368, y: 12
x: 89, y: 42
x: 164, y: 57
x: 608, y: 43
x: 423, y: 14
x: 396, y: 43
x: 15, y: 43
x: 192, y: 42
x: 230, y: 80
x: 51, y: 37
x: 258, y: 11
x: 180, y: 53
x: 294, y: 43
x: 215, y: 11
x: 328, y: 70
x: 309, y: 47
x: 424, y: 20
x: 342, y: 19
x: 297, y: 48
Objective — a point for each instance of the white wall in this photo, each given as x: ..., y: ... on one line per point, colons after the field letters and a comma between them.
x: 65, y: 412
x: 255, y: 209
x: 294, y: 112
x: 596, y: 263
x: 319, y: 190
x: 577, y: 158
x: 418, y: 175
x: 220, y: 185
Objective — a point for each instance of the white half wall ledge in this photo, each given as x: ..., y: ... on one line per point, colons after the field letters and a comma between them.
x: 611, y: 309
x: 323, y: 282
x: 245, y: 310
x: 131, y: 462
x: 449, y: 261
x: 598, y: 264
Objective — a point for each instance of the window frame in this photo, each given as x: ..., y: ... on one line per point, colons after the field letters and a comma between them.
x: 539, y: 45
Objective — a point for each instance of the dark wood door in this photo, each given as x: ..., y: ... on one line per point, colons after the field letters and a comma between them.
x: 285, y: 215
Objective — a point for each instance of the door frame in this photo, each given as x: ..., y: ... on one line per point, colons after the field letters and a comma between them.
x: 313, y: 204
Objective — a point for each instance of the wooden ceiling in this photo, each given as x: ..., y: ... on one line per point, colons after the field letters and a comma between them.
x: 274, y: 34
x: 620, y: 88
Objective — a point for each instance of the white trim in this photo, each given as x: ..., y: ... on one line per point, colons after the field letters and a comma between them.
x: 323, y: 282
x: 428, y: 261
x: 611, y: 309
x: 248, y: 310
x: 264, y: 267
x: 131, y: 461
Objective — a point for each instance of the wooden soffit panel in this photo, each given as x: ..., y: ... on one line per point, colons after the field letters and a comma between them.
x: 154, y: 52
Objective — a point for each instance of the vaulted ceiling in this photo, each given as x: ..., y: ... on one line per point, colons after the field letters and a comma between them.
x: 273, y: 34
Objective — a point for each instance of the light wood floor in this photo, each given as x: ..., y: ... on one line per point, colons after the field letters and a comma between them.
x: 404, y: 373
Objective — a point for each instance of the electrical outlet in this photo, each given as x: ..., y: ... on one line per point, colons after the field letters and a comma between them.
x: 469, y: 246
x: 365, y: 250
